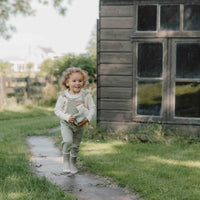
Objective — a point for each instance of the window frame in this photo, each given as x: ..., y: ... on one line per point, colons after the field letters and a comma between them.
x: 168, y: 82
x: 138, y: 117
x: 169, y: 39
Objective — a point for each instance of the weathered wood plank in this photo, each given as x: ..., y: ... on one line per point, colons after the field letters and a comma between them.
x: 125, y: 46
x: 24, y: 79
x: 10, y: 90
x: 115, y: 105
x: 116, y: 81
x: 116, y: 11
x: 13, y: 79
x: 119, y: 116
x: 115, y: 34
x: 116, y: 58
x: 36, y: 88
x: 118, y: 93
x: 15, y: 89
x: 117, y: 22
x: 114, y: 69
x: 37, y: 80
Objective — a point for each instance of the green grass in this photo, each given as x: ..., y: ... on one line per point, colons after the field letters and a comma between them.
x: 20, y: 111
x: 158, y: 168
x: 17, y: 182
x: 155, y: 171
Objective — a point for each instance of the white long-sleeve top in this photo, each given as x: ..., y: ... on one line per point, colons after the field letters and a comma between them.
x: 61, y: 104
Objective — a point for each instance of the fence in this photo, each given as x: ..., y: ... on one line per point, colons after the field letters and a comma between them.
x: 26, y: 86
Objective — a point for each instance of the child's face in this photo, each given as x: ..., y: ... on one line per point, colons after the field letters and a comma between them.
x: 75, y: 82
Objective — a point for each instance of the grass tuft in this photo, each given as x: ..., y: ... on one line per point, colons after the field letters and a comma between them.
x: 143, y: 133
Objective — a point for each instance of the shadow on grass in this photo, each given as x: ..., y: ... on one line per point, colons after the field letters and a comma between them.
x: 156, y: 171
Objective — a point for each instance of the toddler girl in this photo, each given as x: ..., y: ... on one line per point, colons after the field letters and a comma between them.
x: 74, y: 79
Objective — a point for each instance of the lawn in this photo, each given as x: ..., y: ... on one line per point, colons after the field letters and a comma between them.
x: 157, y: 170
x: 17, y: 182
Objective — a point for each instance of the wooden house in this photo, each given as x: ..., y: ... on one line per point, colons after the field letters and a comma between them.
x: 148, y: 62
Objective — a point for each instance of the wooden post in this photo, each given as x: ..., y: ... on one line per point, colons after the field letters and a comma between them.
x: 27, y: 87
x: 2, y: 90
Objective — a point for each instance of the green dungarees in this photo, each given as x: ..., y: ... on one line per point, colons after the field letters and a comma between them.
x: 71, y: 133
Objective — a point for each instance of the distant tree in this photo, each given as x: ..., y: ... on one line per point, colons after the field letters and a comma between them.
x: 5, y: 67
x: 12, y: 8
x: 47, y: 67
x: 92, y: 44
x: 84, y: 61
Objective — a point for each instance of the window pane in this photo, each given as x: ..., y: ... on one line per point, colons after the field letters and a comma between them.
x: 170, y: 18
x: 150, y: 59
x: 188, y: 60
x: 192, y: 17
x: 187, y: 99
x: 147, y: 18
x: 149, y: 98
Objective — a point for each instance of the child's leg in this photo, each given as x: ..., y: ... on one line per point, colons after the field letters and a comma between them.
x: 67, y: 136
x: 77, y: 136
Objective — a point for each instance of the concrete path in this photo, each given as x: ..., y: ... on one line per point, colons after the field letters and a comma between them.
x: 47, y: 161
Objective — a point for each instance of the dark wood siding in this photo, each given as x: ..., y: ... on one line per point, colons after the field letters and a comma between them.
x: 115, y: 63
x: 115, y: 69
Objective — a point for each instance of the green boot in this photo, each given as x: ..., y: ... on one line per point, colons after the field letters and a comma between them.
x: 73, y: 168
x: 66, y: 164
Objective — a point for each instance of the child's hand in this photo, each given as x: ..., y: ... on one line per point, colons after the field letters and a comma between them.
x: 83, y: 122
x: 82, y: 104
x: 71, y: 119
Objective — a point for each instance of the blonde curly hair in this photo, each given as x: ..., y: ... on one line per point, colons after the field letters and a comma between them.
x: 69, y: 71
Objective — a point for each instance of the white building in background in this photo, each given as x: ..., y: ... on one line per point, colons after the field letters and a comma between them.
x: 36, y: 55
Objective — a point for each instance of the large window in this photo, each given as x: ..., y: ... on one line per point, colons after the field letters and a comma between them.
x: 167, y: 79
x: 166, y: 59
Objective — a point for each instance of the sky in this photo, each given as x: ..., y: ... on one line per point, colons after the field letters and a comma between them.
x: 63, y: 34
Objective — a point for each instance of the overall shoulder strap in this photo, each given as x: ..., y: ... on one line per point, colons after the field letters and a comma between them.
x: 63, y: 94
x: 85, y: 93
